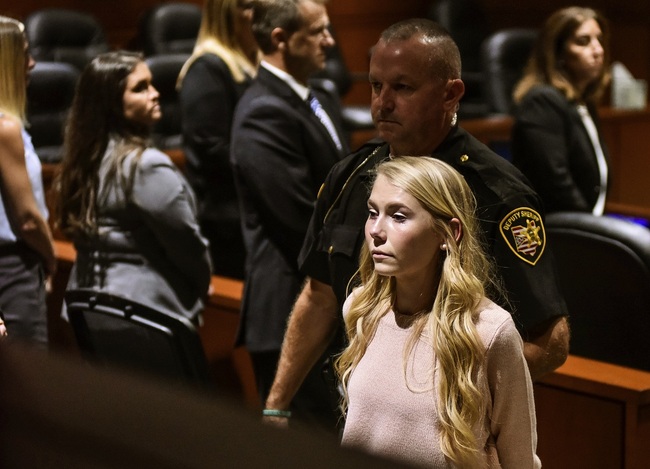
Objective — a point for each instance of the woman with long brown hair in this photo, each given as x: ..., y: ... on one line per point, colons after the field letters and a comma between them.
x: 129, y: 211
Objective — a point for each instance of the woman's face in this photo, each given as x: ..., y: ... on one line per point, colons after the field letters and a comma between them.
x: 141, y: 98
x: 399, y: 234
x: 584, y: 54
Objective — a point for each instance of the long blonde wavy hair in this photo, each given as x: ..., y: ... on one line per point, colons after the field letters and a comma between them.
x: 12, y: 68
x: 466, y: 276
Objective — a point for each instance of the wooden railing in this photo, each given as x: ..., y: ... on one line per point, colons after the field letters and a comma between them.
x: 593, y: 415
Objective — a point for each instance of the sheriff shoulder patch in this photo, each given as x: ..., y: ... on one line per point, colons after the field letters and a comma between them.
x: 524, y: 233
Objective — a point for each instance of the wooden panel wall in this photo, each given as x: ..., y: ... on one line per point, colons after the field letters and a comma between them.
x: 359, y: 22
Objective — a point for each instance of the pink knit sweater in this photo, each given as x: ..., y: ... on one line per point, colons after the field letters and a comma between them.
x: 394, y: 414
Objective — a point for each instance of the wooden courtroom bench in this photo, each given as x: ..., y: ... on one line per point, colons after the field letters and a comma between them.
x: 231, y: 366
x: 593, y: 415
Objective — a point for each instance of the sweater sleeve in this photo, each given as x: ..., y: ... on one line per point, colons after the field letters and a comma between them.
x: 513, y: 424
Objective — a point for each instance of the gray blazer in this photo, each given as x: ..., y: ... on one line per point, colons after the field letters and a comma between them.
x: 148, y: 247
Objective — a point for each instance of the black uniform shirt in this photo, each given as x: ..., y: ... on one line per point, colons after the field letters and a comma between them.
x: 510, y: 213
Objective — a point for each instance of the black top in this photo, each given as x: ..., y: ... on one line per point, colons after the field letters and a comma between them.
x: 280, y: 155
x: 551, y: 146
x: 510, y: 213
x: 208, y: 96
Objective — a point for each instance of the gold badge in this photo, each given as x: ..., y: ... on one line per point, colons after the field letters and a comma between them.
x: 523, y: 231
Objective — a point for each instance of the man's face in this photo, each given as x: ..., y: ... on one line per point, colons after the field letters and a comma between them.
x: 306, y: 47
x: 407, y: 101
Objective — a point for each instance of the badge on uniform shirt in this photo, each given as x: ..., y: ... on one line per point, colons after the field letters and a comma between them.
x: 523, y: 231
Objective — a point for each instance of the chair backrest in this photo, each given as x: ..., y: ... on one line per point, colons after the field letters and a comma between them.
x: 112, y: 330
x: 49, y: 95
x: 170, y: 28
x: 62, y: 35
x: 604, y: 270
x: 164, y: 71
x: 467, y: 24
x: 504, y: 55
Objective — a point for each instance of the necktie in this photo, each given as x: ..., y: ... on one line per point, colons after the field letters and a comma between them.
x: 324, y: 118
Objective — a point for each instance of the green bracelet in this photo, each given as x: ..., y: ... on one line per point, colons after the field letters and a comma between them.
x: 276, y: 413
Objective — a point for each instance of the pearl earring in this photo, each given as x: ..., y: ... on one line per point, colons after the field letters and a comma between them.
x: 443, y: 246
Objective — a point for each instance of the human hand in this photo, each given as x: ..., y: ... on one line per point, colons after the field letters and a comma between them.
x: 3, y: 329
x: 278, y: 422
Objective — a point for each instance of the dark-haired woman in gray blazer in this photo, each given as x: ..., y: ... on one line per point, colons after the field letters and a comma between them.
x: 130, y: 212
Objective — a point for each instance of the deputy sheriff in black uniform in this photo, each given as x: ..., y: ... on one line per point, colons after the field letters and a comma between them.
x: 416, y: 88
x: 508, y: 209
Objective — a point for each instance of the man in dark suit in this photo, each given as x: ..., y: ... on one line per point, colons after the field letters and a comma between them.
x: 283, y: 145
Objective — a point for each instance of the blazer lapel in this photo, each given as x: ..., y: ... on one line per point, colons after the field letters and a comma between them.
x: 281, y: 89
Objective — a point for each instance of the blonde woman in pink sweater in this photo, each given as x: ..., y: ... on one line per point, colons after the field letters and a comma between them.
x: 434, y: 373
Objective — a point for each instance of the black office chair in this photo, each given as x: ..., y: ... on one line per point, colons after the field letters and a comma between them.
x: 604, y: 271
x: 504, y: 55
x: 111, y: 330
x: 49, y: 96
x: 170, y: 28
x: 467, y: 24
x: 62, y: 35
x: 167, y: 132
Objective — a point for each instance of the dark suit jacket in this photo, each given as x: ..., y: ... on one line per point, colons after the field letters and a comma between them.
x: 208, y: 97
x: 280, y: 155
x: 550, y: 145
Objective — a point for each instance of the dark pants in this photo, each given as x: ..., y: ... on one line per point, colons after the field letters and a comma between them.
x: 226, y: 247
x: 22, y: 294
